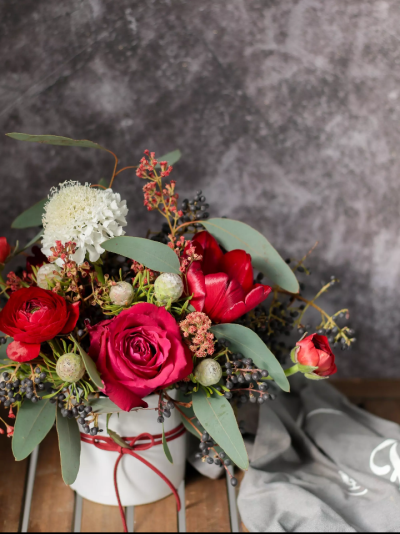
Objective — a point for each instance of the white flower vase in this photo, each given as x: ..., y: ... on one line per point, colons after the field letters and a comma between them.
x: 137, y: 483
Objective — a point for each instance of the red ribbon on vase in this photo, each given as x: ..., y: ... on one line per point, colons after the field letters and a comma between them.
x: 147, y: 442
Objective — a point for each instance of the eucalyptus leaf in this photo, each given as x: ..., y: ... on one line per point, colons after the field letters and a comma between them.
x: 33, y: 423
x: 33, y: 240
x: 69, y: 441
x: 118, y: 440
x: 153, y: 255
x: 90, y: 366
x: 244, y: 340
x: 171, y: 157
x: 30, y: 217
x: 237, y: 235
x: 217, y: 417
x: 55, y: 140
x: 167, y: 452
x: 104, y: 405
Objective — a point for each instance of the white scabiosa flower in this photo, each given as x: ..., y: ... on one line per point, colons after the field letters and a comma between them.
x: 84, y: 215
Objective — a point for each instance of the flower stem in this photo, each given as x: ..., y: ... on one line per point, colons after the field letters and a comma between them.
x: 292, y: 370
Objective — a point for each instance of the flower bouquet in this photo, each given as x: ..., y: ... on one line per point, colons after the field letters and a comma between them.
x: 171, y: 332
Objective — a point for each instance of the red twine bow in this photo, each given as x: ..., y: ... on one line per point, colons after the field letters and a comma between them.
x: 108, y: 444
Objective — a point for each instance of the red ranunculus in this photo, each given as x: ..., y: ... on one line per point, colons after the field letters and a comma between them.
x: 222, y: 284
x: 5, y: 249
x: 33, y: 315
x: 137, y: 352
x: 314, y: 350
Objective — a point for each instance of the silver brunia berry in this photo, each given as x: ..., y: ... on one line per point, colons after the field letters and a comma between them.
x: 168, y: 287
x: 45, y: 274
x: 70, y: 367
x: 122, y: 294
x: 208, y: 372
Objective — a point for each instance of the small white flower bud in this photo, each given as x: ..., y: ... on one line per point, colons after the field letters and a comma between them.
x: 122, y: 294
x: 208, y: 372
x: 168, y: 287
x: 46, y: 274
x: 70, y: 367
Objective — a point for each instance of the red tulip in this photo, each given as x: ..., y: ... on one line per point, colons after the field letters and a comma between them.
x: 5, y: 249
x: 222, y: 284
x: 315, y: 351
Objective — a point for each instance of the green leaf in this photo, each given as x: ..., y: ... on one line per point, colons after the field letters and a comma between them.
x: 237, y: 235
x: 69, y: 441
x: 104, y: 405
x: 165, y: 447
x: 33, y: 240
x: 31, y: 217
x: 244, y: 340
x: 55, y: 140
x: 217, y: 417
x: 32, y: 425
x: 90, y: 366
x: 118, y: 440
x: 151, y: 254
x: 171, y: 157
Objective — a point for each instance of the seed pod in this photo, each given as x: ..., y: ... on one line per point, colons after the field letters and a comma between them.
x: 46, y: 274
x: 122, y: 294
x: 168, y: 287
x: 208, y: 372
x: 70, y: 367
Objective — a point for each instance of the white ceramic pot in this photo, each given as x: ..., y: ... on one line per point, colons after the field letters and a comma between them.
x: 137, y: 484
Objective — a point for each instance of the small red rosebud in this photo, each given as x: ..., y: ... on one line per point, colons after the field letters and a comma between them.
x: 11, y: 413
x: 5, y: 249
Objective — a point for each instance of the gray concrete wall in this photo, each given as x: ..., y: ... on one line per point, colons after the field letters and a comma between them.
x: 287, y: 113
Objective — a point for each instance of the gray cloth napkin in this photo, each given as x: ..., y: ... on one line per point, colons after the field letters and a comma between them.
x: 320, y: 464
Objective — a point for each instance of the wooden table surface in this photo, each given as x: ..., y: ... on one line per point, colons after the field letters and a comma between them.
x: 207, y: 507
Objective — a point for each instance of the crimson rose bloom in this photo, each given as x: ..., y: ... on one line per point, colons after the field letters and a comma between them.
x: 315, y: 350
x: 137, y: 352
x: 33, y: 315
x: 222, y: 284
x: 5, y: 249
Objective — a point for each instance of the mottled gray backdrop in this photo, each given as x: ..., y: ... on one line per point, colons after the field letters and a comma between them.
x: 287, y: 113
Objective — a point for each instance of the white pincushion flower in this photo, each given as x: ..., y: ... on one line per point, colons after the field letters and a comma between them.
x: 84, y: 215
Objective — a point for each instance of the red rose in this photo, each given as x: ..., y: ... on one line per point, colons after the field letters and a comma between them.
x: 314, y: 350
x: 137, y: 352
x: 33, y: 315
x: 222, y: 284
x: 5, y: 249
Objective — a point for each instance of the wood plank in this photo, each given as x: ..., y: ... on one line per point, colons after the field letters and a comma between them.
x: 160, y: 516
x: 386, y: 408
x: 207, y: 507
x: 12, y: 483
x: 362, y: 388
x: 100, y: 518
x: 52, y: 501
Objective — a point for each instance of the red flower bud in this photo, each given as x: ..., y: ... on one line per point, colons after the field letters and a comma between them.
x: 315, y: 351
x: 5, y: 249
